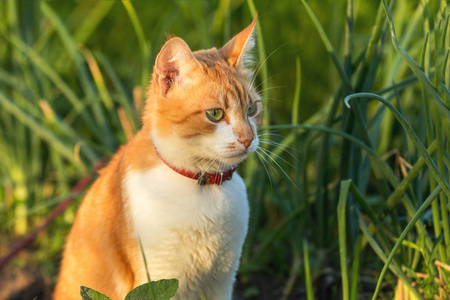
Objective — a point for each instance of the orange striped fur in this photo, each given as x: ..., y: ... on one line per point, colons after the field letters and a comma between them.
x: 200, y: 248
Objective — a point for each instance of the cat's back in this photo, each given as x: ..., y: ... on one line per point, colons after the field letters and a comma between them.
x: 91, y: 255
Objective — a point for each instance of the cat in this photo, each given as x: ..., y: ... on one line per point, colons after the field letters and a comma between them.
x: 173, y: 186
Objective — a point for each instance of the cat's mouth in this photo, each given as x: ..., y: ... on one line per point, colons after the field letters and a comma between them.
x: 237, y: 156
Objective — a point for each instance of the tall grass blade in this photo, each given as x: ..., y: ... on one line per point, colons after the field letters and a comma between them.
x: 342, y: 224
x: 277, y: 232
x: 152, y: 292
x: 329, y: 47
x: 415, y: 67
x: 433, y: 168
x: 355, y: 267
x: 69, y: 43
x: 92, y: 20
x: 410, y: 225
x: 142, y: 42
x: 308, y: 279
x: 400, y: 190
x: 44, y: 133
x: 383, y: 257
x: 262, y: 56
x: 124, y: 98
x: 298, y: 85
x: 77, y: 104
x: 98, y: 79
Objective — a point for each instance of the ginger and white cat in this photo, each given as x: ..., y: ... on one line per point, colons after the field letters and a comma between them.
x: 171, y: 185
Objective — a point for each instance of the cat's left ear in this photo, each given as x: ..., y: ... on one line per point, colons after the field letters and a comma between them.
x: 174, y: 65
x: 236, y: 51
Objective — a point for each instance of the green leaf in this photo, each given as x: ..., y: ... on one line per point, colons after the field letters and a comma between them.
x: 90, y: 294
x: 164, y: 289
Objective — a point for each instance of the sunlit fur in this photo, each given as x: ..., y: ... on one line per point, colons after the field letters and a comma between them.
x: 189, y: 232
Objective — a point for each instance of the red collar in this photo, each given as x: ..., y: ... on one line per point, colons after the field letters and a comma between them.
x: 203, y: 178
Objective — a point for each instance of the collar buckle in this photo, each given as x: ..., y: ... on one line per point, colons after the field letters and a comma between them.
x: 201, y: 180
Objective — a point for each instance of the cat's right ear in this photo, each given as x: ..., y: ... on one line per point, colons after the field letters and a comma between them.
x: 173, y: 64
x: 236, y: 51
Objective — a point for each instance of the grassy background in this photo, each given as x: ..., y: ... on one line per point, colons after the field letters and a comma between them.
x: 333, y: 189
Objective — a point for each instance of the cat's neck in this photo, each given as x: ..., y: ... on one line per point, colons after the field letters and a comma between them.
x: 143, y: 153
x: 202, y: 177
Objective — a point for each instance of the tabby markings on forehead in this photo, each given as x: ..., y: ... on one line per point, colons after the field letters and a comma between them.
x: 238, y: 92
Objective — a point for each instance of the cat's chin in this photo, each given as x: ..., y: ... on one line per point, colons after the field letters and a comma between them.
x: 223, y: 164
x: 235, y: 158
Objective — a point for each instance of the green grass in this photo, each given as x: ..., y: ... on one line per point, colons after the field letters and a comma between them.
x: 345, y: 200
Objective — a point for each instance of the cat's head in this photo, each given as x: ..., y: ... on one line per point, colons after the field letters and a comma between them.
x: 202, y: 108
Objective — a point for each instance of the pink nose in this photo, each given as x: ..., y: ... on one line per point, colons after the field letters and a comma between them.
x: 246, y: 142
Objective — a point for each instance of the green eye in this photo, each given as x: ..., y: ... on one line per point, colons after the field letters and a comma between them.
x: 251, y: 110
x: 214, y: 115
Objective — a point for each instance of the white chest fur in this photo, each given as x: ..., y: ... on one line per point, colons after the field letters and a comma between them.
x: 189, y: 232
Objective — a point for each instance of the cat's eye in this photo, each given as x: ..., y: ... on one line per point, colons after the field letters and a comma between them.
x: 251, y: 110
x: 215, y: 115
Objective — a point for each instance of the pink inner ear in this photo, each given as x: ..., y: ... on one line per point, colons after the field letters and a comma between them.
x: 173, y: 63
x: 167, y: 80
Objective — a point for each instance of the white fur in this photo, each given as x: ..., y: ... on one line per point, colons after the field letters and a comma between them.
x: 189, y: 232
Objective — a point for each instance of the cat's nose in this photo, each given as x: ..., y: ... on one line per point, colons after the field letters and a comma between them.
x: 246, y: 141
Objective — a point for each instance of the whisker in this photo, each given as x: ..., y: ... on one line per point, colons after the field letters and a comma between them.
x: 284, y: 150
x: 268, y: 152
x: 282, y: 170
x: 267, y: 79
x: 278, y: 145
x: 267, y: 99
x: 272, y: 88
x: 270, y: 133
x: 261, y: 158
x: 275, y: 130
x: 268, y: 162
x: 261, y: 63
